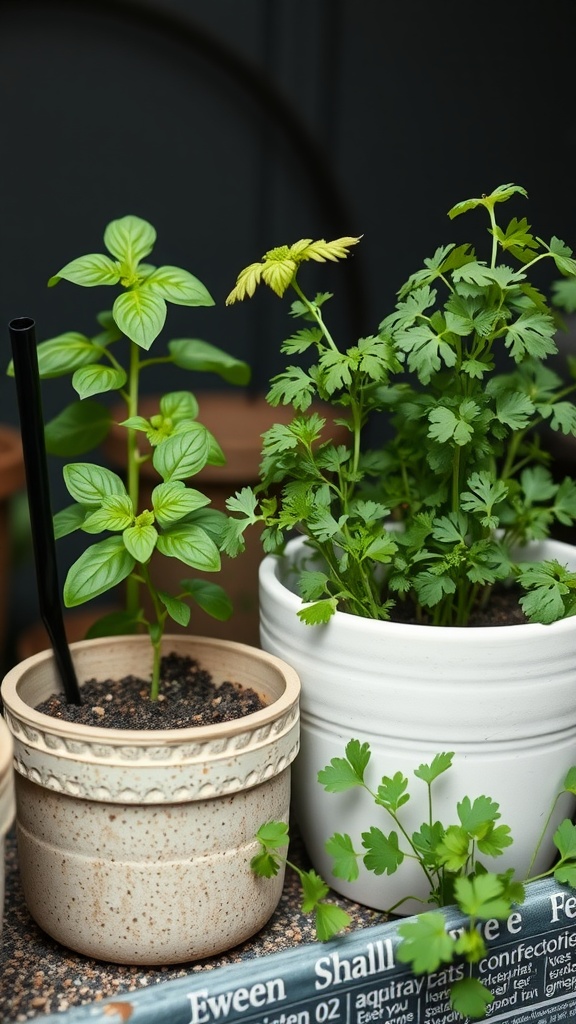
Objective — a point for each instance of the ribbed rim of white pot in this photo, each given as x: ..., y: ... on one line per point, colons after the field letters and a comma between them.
x: 154, y: 765
x: 272, y: 571
x: 7, y: 804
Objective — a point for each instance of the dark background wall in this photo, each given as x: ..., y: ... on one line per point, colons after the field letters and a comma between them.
x: 237, y: 125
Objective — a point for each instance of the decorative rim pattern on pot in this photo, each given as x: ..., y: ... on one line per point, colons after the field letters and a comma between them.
x: 155, y: 766
x: 7, y: 802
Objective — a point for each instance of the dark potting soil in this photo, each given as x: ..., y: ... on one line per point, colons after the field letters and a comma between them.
x: 188, y: 697
x: 503, y: 609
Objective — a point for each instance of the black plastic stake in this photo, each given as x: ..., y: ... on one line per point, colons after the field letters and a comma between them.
x: 23, y: 339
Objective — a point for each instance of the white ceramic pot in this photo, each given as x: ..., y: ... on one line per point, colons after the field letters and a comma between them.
x: 7, y: 805
x: 503, y: 698
x: 135, y: 846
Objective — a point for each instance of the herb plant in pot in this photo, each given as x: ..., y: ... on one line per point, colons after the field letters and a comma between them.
x: 389, y: 573
x: 135, y: 837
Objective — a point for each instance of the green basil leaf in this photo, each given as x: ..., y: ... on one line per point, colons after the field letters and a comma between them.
x: 183, y: 453
x: 173, y: 500
x: 88, y: 483
x: 201, y: 356
x: 68, y: 520
x: 115, y: 513
x: 140, y: 541
x: 177, y: 610
x: 179, y: 405
x: 96, y: 380
x: 191, y: 545
x: 179, y: 286
x: 89, y: 271
x: 78, y: 428
x: 211, y: 597
x: 66, y: 353
x: 140, y: 315
x: 129, y: 239
x: 100, y: 568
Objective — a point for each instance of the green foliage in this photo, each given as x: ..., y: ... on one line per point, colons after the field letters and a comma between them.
x: 447, y: 855
x: 178, y: 525
x: 456, y: 378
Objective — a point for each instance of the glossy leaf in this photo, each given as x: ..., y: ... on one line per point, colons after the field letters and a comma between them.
x: 179, y: 405
x: 140, y: 541
x: 173, y: 500
x: 89, y: 483
x: 97, y: 380
x: 129, y: 239
x: 191, y: 545
x: 179, y: 286
x: 140, y: 315
x: 115, y: 513
x: 66, y: 353
x: 100, y: 568
x: 89, y: 271
x: 183, y: 454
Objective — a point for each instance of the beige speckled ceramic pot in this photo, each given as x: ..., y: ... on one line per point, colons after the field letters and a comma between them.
x: 7, y: 806
x: 135, y: 846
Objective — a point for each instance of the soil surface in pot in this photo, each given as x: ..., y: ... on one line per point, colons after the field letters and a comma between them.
x: 188, y: 697
x: 503, y: 609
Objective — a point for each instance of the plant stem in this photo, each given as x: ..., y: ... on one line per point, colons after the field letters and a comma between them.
x: 132, y: 588
x: 156, y: 633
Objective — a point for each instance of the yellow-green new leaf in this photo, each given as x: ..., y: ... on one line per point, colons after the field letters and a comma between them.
x: 88, y: 271
x: 140, y: 315
x: 97, y: 380
x: 140, y: 541
x: 172, y: 501
x: 130, y: 239
x: 115, y: 513
x: 179, y: 287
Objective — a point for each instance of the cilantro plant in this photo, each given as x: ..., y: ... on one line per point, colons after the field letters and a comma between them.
x: 179, y: 524
x: 448, y: 857
x: 457, y: 378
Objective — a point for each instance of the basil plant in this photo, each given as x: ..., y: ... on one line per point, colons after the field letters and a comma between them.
x: 179, y: 523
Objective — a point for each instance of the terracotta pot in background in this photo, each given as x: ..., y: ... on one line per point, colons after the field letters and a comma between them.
x: 237, y: 421
x: 12, y: 479
x: 77, y: 622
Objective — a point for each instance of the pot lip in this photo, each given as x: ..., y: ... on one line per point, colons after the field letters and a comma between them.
x: 7, y: 797
x: 6, y: 753
x: 18, y: 708
x: 271, y: 583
